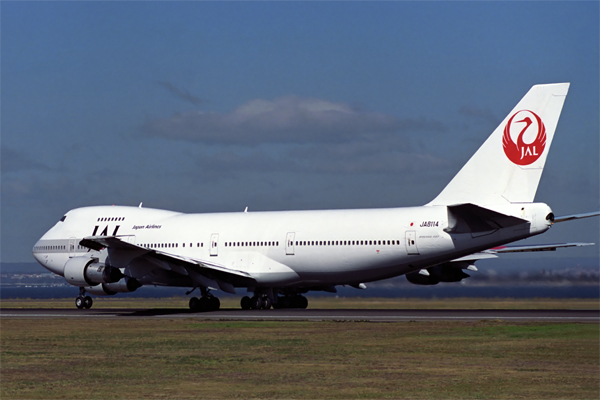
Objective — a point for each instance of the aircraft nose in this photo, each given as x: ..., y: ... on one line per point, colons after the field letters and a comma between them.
x: 36, y: 253
x: 46, y: 259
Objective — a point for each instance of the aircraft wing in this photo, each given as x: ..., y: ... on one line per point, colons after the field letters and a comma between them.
x: 203, y: 273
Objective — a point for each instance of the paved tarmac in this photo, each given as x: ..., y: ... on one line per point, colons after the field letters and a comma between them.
x: 370, y: 315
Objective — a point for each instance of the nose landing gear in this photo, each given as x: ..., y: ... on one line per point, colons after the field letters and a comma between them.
x: 82, y: 301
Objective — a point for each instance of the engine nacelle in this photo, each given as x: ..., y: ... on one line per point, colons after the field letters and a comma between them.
x: 85, y: 271
x: 437, y: 274
x: 125, y: 285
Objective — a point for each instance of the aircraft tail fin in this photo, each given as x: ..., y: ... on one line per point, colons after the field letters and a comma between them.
x: 508, y: 166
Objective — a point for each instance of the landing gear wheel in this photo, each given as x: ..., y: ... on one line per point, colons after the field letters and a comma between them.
x: 266, y: 303
x: 246, y: 303
x: 283, y: 302
x: 80, y: 302
x: 302, y: 302
x: 214, y: 303
x: 256, y: 303
x: 295, y: 301
x: 204, y: 303
x: 298, y: 301
x: 87, y: 302
x: 194, y: 304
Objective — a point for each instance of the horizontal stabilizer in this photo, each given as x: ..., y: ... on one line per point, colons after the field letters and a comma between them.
x: 575, y: 216
x: 538, y: 247
x: 465, y: 218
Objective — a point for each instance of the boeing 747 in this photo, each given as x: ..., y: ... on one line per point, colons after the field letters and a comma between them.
x: 279, y: 256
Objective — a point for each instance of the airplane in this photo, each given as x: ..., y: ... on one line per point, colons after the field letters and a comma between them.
x: 281, y: 255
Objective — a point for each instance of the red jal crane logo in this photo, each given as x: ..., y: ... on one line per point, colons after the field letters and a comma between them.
x: 530, y: 133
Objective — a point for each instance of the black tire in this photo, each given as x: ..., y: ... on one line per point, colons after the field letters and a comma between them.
x: 256, y: 303
x: 214, y: 303
x: 194, y: 304
x: 246, y: 303
x: 299, y: 302
x: 87, y: 302
x: 302, y: 302
x: 266, y: 303
x: 80, y: 302
x: 284, y: 302
x: 204, y: 304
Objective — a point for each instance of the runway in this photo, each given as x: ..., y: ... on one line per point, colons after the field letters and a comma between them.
x: 367, y: 315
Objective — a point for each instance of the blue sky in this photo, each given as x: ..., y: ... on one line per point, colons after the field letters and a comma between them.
x: 124, y: 102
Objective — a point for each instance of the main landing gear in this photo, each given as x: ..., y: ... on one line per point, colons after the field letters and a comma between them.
x: 207, y: 302
x: 264, y: 302
x: 82, y: 301
x: 295, y: 301
x: 255, y: 303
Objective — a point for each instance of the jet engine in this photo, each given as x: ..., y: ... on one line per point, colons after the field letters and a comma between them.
x: 86, y: 271
x: 439, y: 273
x: 125, y: 285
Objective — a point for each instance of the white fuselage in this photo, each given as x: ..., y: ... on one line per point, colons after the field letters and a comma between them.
x: 288, y: 248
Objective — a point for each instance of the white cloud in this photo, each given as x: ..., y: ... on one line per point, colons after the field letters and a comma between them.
x: 289, y: 119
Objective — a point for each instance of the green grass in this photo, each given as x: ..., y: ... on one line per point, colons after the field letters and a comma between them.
x: 162, y: 358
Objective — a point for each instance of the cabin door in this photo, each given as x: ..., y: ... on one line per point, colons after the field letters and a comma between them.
x: 289, y: 243
x: 72, y: 246
x: 411, y: 243
x: 214, y: 244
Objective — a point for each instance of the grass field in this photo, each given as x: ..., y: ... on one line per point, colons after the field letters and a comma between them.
x: 187, y: 358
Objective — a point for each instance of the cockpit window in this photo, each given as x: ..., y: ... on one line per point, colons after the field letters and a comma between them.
x: 63, y: 218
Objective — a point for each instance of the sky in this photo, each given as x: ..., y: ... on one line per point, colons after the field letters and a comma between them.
x: 218, y: 106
